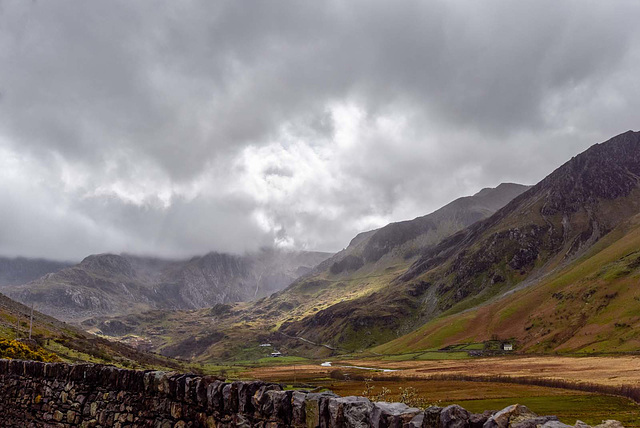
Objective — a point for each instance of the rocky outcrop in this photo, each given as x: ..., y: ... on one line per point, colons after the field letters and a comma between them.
x: 34, y: 394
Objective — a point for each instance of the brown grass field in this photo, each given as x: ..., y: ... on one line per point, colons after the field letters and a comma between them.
x: 624, y: 370
x: 477, y: 396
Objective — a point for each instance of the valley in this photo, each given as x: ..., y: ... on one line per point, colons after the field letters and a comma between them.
x: 364, y: 270
x: 550, y: 268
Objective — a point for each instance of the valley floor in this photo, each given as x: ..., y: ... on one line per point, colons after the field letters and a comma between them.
x: 620, y: 370
x: 569, y: 405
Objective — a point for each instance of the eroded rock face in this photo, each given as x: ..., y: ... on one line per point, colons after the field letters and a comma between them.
x: 87, y: 395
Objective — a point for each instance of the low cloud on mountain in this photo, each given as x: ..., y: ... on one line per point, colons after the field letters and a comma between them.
x: 177, y: 128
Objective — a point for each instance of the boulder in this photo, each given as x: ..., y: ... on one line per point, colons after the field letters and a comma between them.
x: 533, y: 422
x: 393, y: 415
x: 432, y: 417
x: 509, y: 415
x: 609, y: 424
x: 214, y: 396
x: 477, y: 420
x: 246, y: 390
x: 297, y: 408
x: 350, y: 412
x: 259, y: 399
x: 416, y: 422
x: 554, y: 424
x: 230, y: 397
x: 454, y: 416
x: 316, y: 408
x: 279, y: 406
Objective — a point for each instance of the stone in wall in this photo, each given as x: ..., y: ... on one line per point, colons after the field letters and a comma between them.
x: 58, y: 395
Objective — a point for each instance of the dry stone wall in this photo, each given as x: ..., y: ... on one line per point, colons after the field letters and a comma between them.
x: 35, y: 394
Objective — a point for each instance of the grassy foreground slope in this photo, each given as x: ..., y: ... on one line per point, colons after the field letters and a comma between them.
x: 68, y: 343
x: 591, y: 305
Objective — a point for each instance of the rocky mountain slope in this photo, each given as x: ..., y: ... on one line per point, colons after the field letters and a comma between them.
x: 20, y: 270
x: 590, y: 305
x: 370, y: 262
x: 537, y: 234
x: 108, y: 284
x: 406, y: 239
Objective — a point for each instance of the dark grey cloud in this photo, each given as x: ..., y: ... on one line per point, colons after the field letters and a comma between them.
x: 181, y: 127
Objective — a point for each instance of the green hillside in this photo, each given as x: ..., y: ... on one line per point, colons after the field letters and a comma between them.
x: 65, y: 342
x: 591, y: 305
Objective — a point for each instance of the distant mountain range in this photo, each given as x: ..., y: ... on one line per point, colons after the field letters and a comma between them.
x: 109, y: 284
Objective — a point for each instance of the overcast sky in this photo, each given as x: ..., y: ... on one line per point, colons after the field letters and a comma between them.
x: 177, y: 128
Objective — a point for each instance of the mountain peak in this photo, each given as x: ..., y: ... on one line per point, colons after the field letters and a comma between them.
x: 607, y: 170
x: 108, y: 263
x: 502, y: 187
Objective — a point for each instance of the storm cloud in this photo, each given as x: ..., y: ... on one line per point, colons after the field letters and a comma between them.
x: 176, y: 128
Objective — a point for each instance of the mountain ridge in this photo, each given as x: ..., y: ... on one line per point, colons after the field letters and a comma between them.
x: 109, y: 284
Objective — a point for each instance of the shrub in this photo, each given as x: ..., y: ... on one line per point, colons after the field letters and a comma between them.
x: 18, y: 350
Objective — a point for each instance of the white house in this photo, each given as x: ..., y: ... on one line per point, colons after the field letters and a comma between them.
x: 276, y: 354
x: 507, y: 346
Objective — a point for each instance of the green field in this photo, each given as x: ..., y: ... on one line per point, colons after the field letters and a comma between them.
x: 591, y: 408
x: 477, y: 397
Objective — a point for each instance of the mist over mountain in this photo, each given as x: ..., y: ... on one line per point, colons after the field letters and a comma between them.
x: 19, y: 270
x: 109, y: 284
x: 229, y: 127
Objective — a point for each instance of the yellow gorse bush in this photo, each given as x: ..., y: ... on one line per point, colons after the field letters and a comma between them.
x: 17, y: 350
